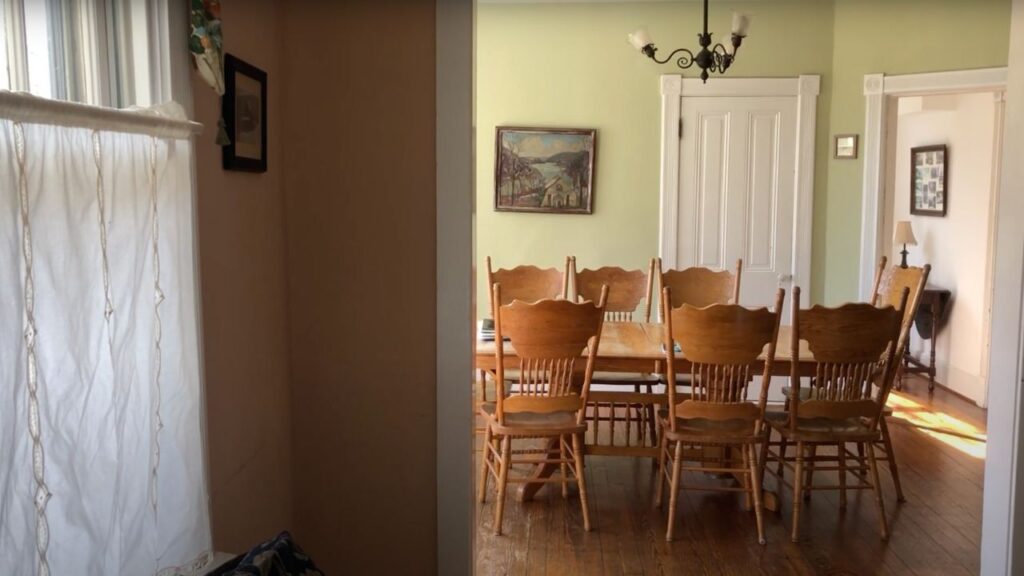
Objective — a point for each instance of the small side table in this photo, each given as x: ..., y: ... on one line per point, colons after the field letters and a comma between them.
x: 930, y: 312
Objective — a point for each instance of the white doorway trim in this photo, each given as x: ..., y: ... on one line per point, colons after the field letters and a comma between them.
x: 877, y: 89
x: 1002, y: 520
x: 806, y: 88
x: 454, y: 27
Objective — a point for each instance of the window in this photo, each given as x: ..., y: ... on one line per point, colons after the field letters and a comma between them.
x: 90, y: 51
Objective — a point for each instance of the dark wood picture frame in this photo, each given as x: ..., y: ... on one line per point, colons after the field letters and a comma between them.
x: 835, y: 146
x: 236, y: 157
x: 929, y: 180
x: 566, y: 172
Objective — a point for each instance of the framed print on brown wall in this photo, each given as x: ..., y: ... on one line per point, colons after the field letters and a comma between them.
x: 544, y: 170
x: 928, y: 180
x: 244, y: 106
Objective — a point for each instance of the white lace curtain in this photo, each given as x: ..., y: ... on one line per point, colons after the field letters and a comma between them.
x: 101, y: 451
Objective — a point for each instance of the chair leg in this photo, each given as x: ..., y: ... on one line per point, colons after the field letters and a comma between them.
x: 482, y: 378
x: 782, y: 456
x: 756, y: 487
x: 891, y: 455
x: 810, y: 471
x: 499, y: 505
x: 652, y: 419
x: 484, y: 471
x: 746, y: 482
x: 660, y: 488
x: 862, y: 461
x: 762, y: 462
x: 841, y: 454
x: 581, y: 479
x: 882, y: 522
x: 677, y: 464
x: 564, y: 466
x: 798, y: 478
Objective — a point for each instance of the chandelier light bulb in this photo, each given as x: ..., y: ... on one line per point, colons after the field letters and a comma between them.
x: 740, y: 24
x: 640, y: 38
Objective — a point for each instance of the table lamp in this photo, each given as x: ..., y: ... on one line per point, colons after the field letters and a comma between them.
x: 904, y: 235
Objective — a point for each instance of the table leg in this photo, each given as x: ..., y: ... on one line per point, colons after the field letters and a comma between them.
x: 540, y: 472
x: 935, y: 335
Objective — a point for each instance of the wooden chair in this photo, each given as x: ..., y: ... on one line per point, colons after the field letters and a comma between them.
x: 525, y: 283
x: 700, y: 287
x: 551, y: 338
x: 889, y: 286
x: 626, y: 290
x: 854, y: 350
x: 722, y: 343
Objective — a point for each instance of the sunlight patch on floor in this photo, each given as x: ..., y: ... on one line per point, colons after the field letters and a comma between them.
x: 948, y: 429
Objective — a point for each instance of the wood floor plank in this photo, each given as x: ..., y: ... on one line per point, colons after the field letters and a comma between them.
x: 937, y: 531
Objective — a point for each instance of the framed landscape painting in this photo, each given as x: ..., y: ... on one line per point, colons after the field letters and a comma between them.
x: 544, y: 170
x: 928, y: 180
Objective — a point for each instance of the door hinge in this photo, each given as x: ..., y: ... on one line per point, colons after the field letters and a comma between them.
x: 680, y: 128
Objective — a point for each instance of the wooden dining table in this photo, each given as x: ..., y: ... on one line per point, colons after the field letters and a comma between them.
x: 637, y: 347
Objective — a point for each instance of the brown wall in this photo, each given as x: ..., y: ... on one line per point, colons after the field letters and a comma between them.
x: 358, y: 144
x: 326, y: 432
x: 245, y: 326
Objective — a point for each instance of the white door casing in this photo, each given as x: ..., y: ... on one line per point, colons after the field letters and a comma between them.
x: 757, y: 139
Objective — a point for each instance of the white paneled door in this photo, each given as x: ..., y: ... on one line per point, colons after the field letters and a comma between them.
x: 737, y: 173
x: 737, y: 178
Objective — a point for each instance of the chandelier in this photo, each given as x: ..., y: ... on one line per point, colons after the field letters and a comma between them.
x: 716, y: 58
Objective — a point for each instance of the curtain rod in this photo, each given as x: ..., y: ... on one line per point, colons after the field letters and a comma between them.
x: 166, y: 120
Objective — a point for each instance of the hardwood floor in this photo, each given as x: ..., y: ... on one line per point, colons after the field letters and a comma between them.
x: 936, y: 531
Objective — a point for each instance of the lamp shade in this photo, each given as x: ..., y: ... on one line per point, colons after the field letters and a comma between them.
x: 740, y: 24
x: 640, y: 38
x: 904, y: 234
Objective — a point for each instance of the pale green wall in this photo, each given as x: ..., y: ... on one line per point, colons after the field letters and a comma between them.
x: 892, y: 37
x: 569, y: 65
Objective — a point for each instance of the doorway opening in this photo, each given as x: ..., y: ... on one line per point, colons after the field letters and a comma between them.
x: 942, y: 171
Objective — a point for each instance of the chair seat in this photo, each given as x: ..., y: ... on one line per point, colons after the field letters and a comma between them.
x: 705, y: 430
x: 805, y: 392
x: 624, y: 378
x: 821, y: 429
x: 511, y: 374
x: 532, y: 423
x: 682, y: 379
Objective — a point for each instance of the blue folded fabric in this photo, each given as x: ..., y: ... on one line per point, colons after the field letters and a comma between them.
x: 279, y: 556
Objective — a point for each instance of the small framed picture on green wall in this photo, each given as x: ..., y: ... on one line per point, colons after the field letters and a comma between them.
x: 844, y: 147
